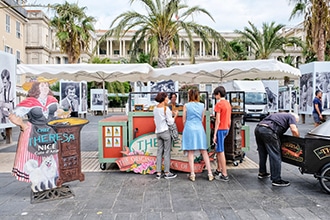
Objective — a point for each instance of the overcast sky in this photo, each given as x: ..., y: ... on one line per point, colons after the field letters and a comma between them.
x: 229, y: 15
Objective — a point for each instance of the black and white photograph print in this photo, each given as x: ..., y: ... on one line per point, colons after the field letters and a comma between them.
x: 7, y: 87
x: 69, y: 96
x: 271, y: 87
x: 83, y: 97
x: 99, y: 99
x: 322, y: 84
x: 167, y: 86
x: 306, y: 93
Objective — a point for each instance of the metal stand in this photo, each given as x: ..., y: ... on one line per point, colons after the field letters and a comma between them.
x: 52, y: 194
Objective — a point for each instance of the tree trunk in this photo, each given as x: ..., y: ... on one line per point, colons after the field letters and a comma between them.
x: 321, y: 46
x: 162, y: 53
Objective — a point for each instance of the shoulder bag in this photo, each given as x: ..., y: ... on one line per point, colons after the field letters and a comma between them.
x: 172, y: 128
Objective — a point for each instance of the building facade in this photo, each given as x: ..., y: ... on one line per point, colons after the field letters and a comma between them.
x: 27, y: 34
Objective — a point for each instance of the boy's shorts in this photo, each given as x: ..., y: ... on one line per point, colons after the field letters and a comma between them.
x: 221, y: 134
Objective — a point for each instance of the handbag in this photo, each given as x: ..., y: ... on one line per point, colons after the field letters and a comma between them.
x: 172, y: 128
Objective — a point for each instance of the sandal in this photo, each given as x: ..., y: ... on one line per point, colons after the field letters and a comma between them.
x: 192, y: 177
x: 211, y: 177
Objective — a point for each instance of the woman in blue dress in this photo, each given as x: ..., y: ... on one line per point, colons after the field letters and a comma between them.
x: 194, y: 136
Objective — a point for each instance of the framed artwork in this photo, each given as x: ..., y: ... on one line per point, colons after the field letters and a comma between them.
x: 116, y: 142
x: 70, y: 95
x: 117, y: 131
x: 108, y: 131
x: 108, y: 142
x: 139, y: 108
x: 99, y: 99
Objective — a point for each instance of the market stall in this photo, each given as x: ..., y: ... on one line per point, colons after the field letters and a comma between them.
x: 138, y: 143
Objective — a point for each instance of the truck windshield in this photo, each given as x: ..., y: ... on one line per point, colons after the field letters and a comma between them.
x: 259, y: 98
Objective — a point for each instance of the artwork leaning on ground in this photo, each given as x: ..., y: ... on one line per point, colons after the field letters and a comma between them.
x: 140, y: 157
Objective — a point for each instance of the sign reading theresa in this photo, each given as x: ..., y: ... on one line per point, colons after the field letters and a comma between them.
x: 148, y: 144
x: 322, y: 152
x: 141, y: 156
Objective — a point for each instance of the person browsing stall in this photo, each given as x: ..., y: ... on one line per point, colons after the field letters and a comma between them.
x: 162, y: 117
x: 194, y: 136
x: 267, y: 134
x: 221, y: 129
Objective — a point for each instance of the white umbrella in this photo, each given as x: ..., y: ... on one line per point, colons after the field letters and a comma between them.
x: 88, y: 72
x: 227, y: 70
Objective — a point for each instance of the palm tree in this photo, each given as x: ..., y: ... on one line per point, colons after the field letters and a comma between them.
x: 264, y: 43
x: 73, y: 29
x: 163, y: 28
x: 288, y: 60
x: 240, y: 50
x: 316, y: 23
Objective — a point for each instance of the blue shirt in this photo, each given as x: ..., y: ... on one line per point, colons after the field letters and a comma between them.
x: 318, y: 102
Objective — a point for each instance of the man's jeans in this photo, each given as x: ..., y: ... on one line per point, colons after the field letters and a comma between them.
x: 269, y: 144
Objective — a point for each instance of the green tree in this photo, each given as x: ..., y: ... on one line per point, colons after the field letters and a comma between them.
x: 165, y: 22
x: 264, y: 43
x: 239, y: 48
x: 73, y: 29
x: 115, y: 87
x: 288, y: 60
x: 316, y: 24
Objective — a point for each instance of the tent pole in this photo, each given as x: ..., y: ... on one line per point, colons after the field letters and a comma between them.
x: 103, y: 86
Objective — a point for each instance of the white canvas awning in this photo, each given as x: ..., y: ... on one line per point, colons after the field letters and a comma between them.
x: 88, y: 72
x: 227, y: 70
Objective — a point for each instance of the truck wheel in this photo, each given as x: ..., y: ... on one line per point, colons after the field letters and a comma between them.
x: 324, y: 178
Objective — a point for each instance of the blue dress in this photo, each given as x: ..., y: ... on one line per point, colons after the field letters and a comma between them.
x: 194, y: 136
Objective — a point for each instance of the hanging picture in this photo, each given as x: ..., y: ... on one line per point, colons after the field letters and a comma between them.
x: 116, y: 142
x: 99, y: 99
x: 108, y: 142
x: 108, y: 131
x: 69, y: 97
x: 116, y: 131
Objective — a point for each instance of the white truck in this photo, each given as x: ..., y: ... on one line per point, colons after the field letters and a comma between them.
x: 256, y: 105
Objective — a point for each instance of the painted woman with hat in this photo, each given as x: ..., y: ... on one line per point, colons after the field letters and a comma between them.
x: 36, y: 155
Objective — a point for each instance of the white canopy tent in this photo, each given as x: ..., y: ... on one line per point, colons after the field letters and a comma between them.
x: 217, y: 72
x: 88, y: 72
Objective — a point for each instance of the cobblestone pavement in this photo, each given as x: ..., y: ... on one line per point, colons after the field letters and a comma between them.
x: 120, y: 195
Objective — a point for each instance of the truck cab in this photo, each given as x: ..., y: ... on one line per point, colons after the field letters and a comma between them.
x: 256, y: 105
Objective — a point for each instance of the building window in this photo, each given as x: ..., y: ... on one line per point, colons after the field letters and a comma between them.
x: 18, y: 29
x: 8, y: 50
x: 7, y: 23
x: 18, y: 57
x: 116, y: 52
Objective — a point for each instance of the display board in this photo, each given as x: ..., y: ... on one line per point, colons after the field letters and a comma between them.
x: 271, y: 87
x: 315, y: 76
x: 99, y: 99
x: 7, y: 87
